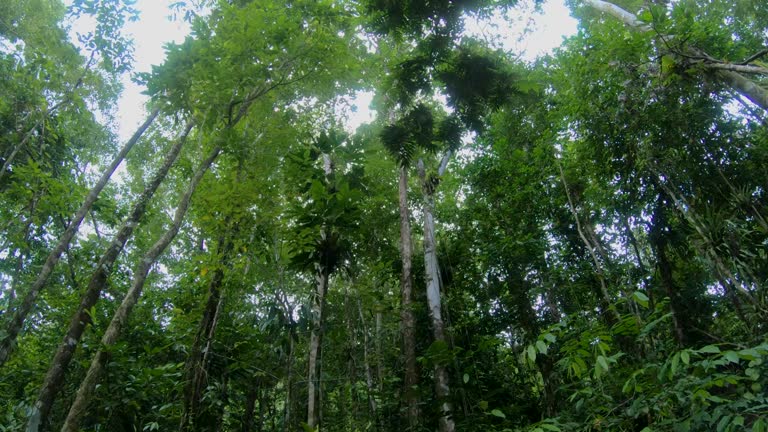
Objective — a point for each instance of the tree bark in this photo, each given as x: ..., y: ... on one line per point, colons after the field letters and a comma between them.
x: 726, y: 72
x: 432, y: 270
x: 55, y: 377
x: 368, y: 368
x: 14, y: 327
x: 407, y: 319
x: 111, y: 335
x: 195, y: 368
x: 288, y: 411
x: 591, y: 249
x: 250, y: 405
x: 315, y: 344
x: 16, y: 149
x: 659, y: 243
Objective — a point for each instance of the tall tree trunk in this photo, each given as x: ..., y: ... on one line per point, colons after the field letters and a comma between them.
x: 41, y: 122
x: 111, y: 335
x: 55, y: 377
x: 315, y: 343
x: 377, y: 347
x: 195, y: 367
x: 368, y: 368
x: 407, y: 319
x: 735, y: 287
x: 592, y: 249
x: 14, y: 327
x: 432, y: 270
x: 250, y: 405
x: 288, y: 410
x: 658, y: 241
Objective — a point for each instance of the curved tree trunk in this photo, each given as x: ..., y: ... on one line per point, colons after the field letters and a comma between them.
x: 111, y: 335
x: 14, y: 328
x: 55, y: 377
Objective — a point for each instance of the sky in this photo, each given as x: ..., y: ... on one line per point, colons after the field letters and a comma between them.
x: 154, y: 29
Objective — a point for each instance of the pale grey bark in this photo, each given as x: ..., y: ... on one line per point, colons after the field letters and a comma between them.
x: 16, y: 149
x: 407, y: 318
x: 367, y: 363
x: 315, y: 342
x: 55, y: 377
x: 434, y: 300
x: 617, y: 12
x: 750, y: 89
x: 747, y: 69
x: 111, y: 335
x: 14, y: 328
x: 729, y: 73
x: 322, y: 276
x: 599, y: 271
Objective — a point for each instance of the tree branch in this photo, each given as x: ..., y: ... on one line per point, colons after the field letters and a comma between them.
x: 748, y: 69
x: 755, y: 56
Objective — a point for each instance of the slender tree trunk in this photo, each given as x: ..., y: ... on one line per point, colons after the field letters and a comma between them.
x: 667, y: 281
x: 351, y: 366
x: 432, y: 270
x: 21, y: 313
x: 260, y: 418
x: 55, y: 377
x: 16, y: 149
x: 315, y: 342
x: 288, y: 411
x: 195, y: 366
x: 377, y: 347
x: 731, y: 283
x: 250, y: 405
x: 549, y: 295
x: 368, y: 368
x: 111, y: 335
x: 66, y: 99
x: 591, y: 249
x: 407, y: 319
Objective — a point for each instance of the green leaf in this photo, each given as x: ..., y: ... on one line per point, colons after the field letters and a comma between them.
x: 749, y: 354
x: 685, y: 357
x: 761, y: 425
x: 641, y: 299
x: 549, y: 427
x: 731, y: 356
x: 673, y: 367
x: 307, y: 428
x: 667, y: 64
x: 541, y: 346
x: 498, y: 413
x: 603, y: 362
x: 710, y: 349
x: 531, y: 354
x: 466, y: 378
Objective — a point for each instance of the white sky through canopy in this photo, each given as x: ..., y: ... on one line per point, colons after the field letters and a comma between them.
x: 154, y: 29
